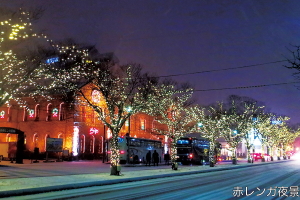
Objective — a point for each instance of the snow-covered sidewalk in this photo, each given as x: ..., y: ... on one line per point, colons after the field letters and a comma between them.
x: 19, y: 186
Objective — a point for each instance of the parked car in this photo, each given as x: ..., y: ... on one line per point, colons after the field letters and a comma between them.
x: 257, y: 156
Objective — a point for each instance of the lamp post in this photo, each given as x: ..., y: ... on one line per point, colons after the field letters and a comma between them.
x: 234, y: 158
x: 129, y: 110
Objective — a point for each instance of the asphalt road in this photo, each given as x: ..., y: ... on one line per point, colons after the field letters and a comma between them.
x: 273, y: 181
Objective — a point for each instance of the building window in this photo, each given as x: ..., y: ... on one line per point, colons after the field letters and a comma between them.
x: 49, y: 115
x: 46, y: 136
x: 82, y: 143
x: 96, y: 96
x: 108, y: 132
x: 143, y: 124
x: 153, y: 124
x: 25, y: 114
x: 62, y: 111
x: 35, y: 140
x: 37, y: 112
x: 92, y: 144
x: 9, y: 114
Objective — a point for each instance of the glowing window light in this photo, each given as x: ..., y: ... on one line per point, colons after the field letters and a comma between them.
x: 109, y: 134
x: 93, y: 131
x: 276, y: 122
x: 75, y: 140
x: 52, y: 60
x: 2, y: 114
x: 55, y: 112
x: 96, y: 96
x: 143, y: 127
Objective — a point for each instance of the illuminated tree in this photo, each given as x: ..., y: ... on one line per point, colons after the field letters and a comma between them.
x: 210, y: 126
x: 284, y: 137
x: 123, y: 91
x: 66, y: 67
x: 234, y: 126
x: 240, y: 120
x: 272, y: 131
x: 262, y: 131
x: 247, y: 122
x: 172, y: 107
x: 17, y: 70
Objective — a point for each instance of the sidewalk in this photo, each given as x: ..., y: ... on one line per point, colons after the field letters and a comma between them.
x: 22, y: 186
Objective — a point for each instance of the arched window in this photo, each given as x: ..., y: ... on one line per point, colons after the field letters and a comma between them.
x: 153, y: 124
x: 101, y: 145
x: 24, y: 114
x: 46, y: 136
x: 35, y: 139
x: 37, y: 112
x: 108, y: 133
x: 82, y: 143
x: 60, y: 135
x: 143, y: 124
x: 62, y: 111
x: 9, y: 114
x: 92, y: 144
x: 49, y: 110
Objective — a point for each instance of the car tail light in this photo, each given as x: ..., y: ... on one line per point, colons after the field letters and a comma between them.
x: 191, y: 156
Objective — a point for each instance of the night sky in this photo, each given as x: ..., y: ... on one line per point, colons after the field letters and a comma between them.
x: 174, y: 37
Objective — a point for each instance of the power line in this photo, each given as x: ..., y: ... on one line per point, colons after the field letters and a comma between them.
x: 216, y: 70
x: 247, y: 87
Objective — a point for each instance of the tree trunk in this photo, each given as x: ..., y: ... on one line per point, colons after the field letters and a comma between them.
x: 115, y: 154
x: 234, y: 159
x: 284, y: 152
x: 249, y: 154
x: 263, y: 153
x: 173, y: 153
x: 211, y: 154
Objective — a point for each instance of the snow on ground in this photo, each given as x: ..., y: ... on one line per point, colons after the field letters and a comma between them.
x: 25, y: 183
x: 42, y: 182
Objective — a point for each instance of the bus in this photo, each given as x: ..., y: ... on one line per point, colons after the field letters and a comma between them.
x: 133, y: 150
x: 192, y: 150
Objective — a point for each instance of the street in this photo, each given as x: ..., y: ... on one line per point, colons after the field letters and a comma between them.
x: 271, y: 181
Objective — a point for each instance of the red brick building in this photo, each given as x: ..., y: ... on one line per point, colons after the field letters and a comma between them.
x: 78, y: 126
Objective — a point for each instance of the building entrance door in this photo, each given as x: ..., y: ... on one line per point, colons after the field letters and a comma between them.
x: 20, y: 142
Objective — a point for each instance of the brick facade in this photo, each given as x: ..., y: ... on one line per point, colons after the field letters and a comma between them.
x: 41, y: 118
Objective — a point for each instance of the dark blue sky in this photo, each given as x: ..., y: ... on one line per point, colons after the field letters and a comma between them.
x: 171, y: 37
